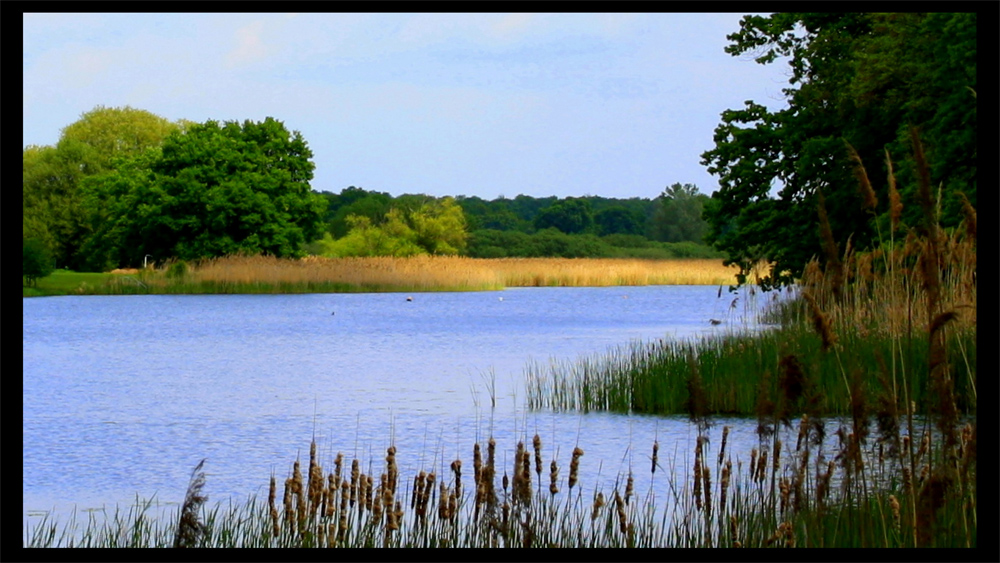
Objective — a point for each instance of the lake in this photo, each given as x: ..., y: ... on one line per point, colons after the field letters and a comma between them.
x: 124, y: 395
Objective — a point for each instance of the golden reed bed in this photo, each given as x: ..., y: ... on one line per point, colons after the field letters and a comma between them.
x: 449, y: 272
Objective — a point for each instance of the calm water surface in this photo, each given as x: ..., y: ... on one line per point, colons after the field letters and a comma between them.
x: 124, y: 395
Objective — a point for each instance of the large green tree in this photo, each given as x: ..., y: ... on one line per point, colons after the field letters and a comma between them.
x: 52, y: 175
x: 679, y: 215
x: 213, y: 189
x: 857, y: 80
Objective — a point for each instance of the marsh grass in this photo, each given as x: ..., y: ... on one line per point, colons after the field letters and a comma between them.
x: 807, y: 494
x: 266, y: 274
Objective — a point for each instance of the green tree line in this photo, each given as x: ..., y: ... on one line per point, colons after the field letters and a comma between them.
x: 363, y: 222
x: 123, y: 185
x: 862, y: 85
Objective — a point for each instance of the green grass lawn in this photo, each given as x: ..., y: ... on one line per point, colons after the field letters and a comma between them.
x: 64, y: 282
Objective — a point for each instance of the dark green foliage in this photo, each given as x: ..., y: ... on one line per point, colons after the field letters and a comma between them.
x: 571, y: 216
x: 52, y: 198
x: 213, y: 190
x: 679, y: 215
x: 619, y: 220
x: 861, y: 78
x: 36, y: 261
x: 491, y: 243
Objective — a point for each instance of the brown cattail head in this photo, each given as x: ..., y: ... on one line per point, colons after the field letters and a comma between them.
x: 656, y: 448
x: 895, y: 202
x: 536, y: 442
x: 598, y: 503
x: 553, y: 477
x: 574, y: 466
x: 727, y: 471
x: 834, y: 268
x: 867, y: 193
x: 820, y: 322
x: 725, y: 436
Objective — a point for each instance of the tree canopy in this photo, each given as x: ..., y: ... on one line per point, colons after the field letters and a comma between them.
x: 51, y: 175
x: 859, y: 83
x: 213, y: 189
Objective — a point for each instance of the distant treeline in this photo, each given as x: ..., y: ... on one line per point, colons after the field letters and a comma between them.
x: 669, y: 226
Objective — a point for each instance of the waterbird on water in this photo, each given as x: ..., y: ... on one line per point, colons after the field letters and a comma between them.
x: 409, y: 298
x: 715, y: 322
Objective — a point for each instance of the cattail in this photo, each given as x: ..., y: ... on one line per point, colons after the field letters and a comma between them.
x: 392, y: 514
x: 289, y: 509
x: 574, y: 466
x: 443, y: 502
x: 762, y: 466
x: 620, y: 510
x: 390, y: 460
x: 369, y: 482
x: 490, y: 473
x: 518, y: 476
x: 452, y: 505
x: 803, y: 432
x: 553, y: 477
x: 867, y: 193
x: 820, y: 322
x: 776, y: 462
x: 707, y: 477
x: 732, y: 531
x: 800, y: 477
x: 536, y: 442
x: 315, y: 480
x: 924, y: 445
x: 345, y: 497
x: 418, y: 485
x: 338, y: 465
x: 598, y: 503
x: 629, y: 487
x: 697, y: 473
x: 300, y: 497
x: 332, y: 486
x: 785, y: 493
x: 753, y: 463
x: 362, y: 485
x: 273, y: 509
x: 656, y: 448
x: 376, y: 507
x: 456, y: 468
x: 525, y: 483
x: 355, y: 473
x: 894, y: 507
x: 722, y: 450
x: 789, y: 535
x: 724, y: 483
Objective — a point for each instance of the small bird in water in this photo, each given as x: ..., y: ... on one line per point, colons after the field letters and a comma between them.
x: 409, y: 298
x: 715, y: 322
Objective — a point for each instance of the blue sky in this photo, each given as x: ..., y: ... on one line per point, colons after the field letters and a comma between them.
x: 613, y: 105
